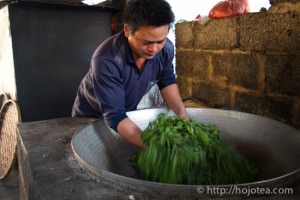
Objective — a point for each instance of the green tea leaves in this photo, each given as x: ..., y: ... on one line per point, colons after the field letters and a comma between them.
x: 188, y: 152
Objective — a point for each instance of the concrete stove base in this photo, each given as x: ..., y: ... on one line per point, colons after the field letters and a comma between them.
x: 47, y: 168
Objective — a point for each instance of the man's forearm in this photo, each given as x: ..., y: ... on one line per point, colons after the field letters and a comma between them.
x: 130, y: 132
x: 173, y: 99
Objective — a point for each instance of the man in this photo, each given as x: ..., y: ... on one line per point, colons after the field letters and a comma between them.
x: 125, y: 66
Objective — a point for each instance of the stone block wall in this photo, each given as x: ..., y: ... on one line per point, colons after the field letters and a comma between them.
x: 249, y: 63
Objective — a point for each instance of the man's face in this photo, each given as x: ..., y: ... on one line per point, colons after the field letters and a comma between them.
x: 146, y: 41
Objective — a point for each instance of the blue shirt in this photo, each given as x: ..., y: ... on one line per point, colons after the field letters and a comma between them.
x: 114, y: 85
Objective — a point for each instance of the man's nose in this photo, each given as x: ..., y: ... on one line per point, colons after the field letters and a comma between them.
x: 154, y: 47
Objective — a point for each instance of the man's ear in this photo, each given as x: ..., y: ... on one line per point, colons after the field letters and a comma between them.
x: 126, y: 30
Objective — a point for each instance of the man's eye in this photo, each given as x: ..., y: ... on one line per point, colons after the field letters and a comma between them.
x: 149, y: 43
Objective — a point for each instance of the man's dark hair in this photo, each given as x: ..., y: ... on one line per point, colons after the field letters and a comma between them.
x: 139, y: 13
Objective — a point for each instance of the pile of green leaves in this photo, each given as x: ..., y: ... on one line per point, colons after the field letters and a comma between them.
x: 188, y: 152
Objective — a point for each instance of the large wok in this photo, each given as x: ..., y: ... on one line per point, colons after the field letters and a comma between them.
x: 272, y: 146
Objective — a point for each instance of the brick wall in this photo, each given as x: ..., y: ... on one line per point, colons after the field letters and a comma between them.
x: 249, y: 63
